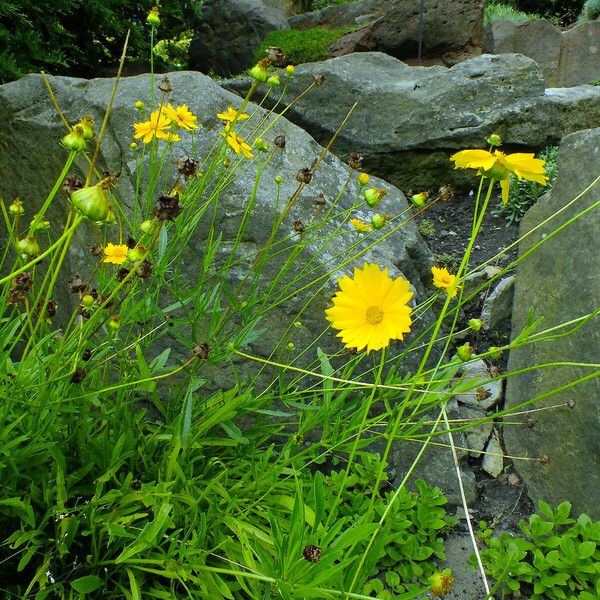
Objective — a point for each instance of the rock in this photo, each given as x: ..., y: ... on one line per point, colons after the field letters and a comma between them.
x: 493, y: 459
x: 560, y: 281
x: 340, y: 15
x: 538, y: 39
x: 497, y: 307
x: 452, y: 30
x: 436, y: 463
x: 580, y: 54
x: 229, y: 34
x: 289, y: 7
x: 485, y: 394
x: 478, y: 435
x: 567, y: 58
x: 410, y: 119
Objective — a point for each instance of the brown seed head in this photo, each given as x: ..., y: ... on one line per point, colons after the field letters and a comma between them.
x: 320, y: 199
x: 319, y: 79
x: 304, y: 175
x: 355, y: 161
x: 279, y: 141
x: 201, y: 351
x: 276, y: 56
x: 76, y: 284
x: 298, y: 226
x: 72, y: 183
x: 312, y: 553
x: 187, y: 167
x: 165, y: 85
x: 79, y: 375
x: 145, y: 269
x: 167, y: 208
x: 482, y: 393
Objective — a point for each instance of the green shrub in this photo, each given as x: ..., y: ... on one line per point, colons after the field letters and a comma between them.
x: 591, y: 10
x: 562, y: 11
x: 496, y: 11
x: 300, y: 47
x: 320, y: 4
x: 524, y: 194
x: 557, y: 559
x: 82, y: 39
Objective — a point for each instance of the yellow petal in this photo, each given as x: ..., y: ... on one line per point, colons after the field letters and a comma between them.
x: 505, y: 185
x: 473, y: 159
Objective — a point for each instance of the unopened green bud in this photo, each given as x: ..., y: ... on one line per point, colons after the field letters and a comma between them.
x: 289, y: 70
x: 87, y: 125
x: 28, y: 246
x: 495, y: 352
x: 373, y: 196
x: 88, y: 300
x: 137, y: 253
x: 475, y: 324
x: 139, y: 105
x: 465, y: 352
x: 91, y: 202
x: 16, y: 207
x: 74, y: 140
x: 149, y: 226
x: 291, y: 346
x: 379, y: 221
x: 261, y: 145
x: 494, y: 140
x: 38, y: 224
x: 274, y: 81
x: 111, y: 218
x: 419, y: 199
x: 133, y: 145
x: 297, y: 324
x: 278, y: 179
x: 260, y: 72
x: 114, y: 323
x: 153, y: 18
x: 363, y: 179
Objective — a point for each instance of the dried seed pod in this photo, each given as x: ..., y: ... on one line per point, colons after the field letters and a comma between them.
x: 144, y: 270
x: 201, y: 351
x: 167, y: 208
x: 165, y: 85
x: 276, y: 56
x: 304, y: 175
x: 298, y: 226
x: 319, y: 78
x: 312, y: 553
x: 187, y: 166
x: 320, y: 199
x: 355, y: 161
x: 279, y: 141
x: 79, y: 375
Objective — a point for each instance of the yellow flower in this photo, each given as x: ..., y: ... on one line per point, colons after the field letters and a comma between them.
x: 232, y: 115
x: 499, y: 166
x: 361, y: 226
x: 237, y: 143
x: 155, y: 127
x: 115, y: 254
x: 371, y: 309
x: 444, y: 280
x: 168, y: 136
x: 181, y: 116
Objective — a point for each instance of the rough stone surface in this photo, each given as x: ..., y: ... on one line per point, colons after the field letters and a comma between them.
x: 580, y: 54
x: 567, y: 58
x: 409, y: 120
x: 560, y: 281
x: 452, y: 30
x: 289, y: 7
x: 538, y: 39
x: 493, y: 459
x: 229, y: 34
x: 498, y: 305
x: 478, y: 435
x: 478, y: 372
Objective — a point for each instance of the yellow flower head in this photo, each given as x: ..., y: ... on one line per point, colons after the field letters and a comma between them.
x: 361, y: 226
x: 371, y: 309
x: 168, y: 136
x: 154, y: 127
x: 115, y: 254
x: 499, y: 166
x: 237, y: 143
x: 181, y: 116
x: 444, y: 280
x: 232, y: 115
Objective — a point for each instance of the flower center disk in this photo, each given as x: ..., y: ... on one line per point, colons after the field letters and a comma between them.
x: 374, y: 315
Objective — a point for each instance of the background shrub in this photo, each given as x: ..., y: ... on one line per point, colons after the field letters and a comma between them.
x: 82, y: 38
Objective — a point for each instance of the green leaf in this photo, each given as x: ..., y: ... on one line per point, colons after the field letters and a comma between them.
x: 586, y: 549
x: 87, y: 584
x: 319, y: 499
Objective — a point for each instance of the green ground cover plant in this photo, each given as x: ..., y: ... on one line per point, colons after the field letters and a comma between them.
x: 124, y: 475
x: 557, y: 558
x: 309, y: 45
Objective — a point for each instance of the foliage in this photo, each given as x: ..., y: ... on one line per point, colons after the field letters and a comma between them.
x: 320, y: 4
x: 524, y: 194
x: 496, y: 10
x: 562, y: 11
x: 309, y: 45
x: 82, y: 39
x: 427, y: 228
x: 557, y: 559
x: 590, y: 11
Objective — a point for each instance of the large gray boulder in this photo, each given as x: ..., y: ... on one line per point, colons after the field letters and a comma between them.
x: 567, y: 58
x: 560, y: 281
x: 229, y: 34
x: 452, y: 30
x: 408, y: 120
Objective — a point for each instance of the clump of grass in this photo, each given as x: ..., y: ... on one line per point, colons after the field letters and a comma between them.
x: 591, y: 11
x: 305, y: 46
x: 495, y: 11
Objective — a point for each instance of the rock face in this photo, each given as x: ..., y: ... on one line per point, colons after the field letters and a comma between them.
x: 408, y: 120
x: 289, y: 7
x: 560, y: 281
x: 29, y: 137
x: 452, y: 30
x: 567, y: 58
x: 230, y: 33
